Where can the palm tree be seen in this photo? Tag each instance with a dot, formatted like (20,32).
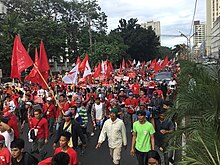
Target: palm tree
(200,109)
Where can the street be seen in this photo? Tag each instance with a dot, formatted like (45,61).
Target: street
(91,155)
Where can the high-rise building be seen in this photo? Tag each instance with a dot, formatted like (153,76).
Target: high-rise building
(2,8)
(155,26)
(199,30)
(212,13)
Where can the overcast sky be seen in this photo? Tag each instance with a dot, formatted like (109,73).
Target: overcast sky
(174,15)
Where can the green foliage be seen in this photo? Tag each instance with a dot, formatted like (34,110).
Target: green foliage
(143,44)
(200,109)
(166,51)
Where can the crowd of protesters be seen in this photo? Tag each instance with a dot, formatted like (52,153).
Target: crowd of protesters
(64,112)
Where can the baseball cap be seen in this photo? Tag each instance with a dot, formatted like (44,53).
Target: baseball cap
(6,109)
(2,139)
(141,113)
(130,94)
(29,103)
(49,99)
(114,110)
(68,113)
(37,106)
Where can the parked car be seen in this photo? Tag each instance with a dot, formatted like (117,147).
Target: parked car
(163,76)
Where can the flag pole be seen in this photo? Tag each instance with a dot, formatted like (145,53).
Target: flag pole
(49,88)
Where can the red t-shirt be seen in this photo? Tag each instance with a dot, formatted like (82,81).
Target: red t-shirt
(46,161)
(13,123)
(160,93)
(5,157)
(65,106)
(144,99)
(51,112)
(135,89)
(72,154)
(42,127)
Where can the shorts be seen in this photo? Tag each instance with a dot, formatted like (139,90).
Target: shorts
(115,154)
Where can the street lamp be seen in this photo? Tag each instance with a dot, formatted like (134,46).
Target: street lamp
(188,43)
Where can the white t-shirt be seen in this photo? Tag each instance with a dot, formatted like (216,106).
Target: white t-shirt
(9,137)
(172,84)
(98,113)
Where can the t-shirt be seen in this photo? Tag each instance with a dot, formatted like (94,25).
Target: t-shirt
(143,131)
(68,128)
(99,113)
(9,137)
(5,156)
(46,161)
(72,154)
(27,159)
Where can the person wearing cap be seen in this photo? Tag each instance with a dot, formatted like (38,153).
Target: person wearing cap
(83,114)
(5,155)
(142,106)
(98,112)
(115,130)
(70,125)
(131,104)
(9,102)
(49,111)
(142,138)
(40,124)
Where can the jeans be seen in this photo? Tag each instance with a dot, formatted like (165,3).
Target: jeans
(141,157)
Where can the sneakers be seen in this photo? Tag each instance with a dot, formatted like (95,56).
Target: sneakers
(92,134)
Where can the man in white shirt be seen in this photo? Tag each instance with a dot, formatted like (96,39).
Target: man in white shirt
(97,114)
(7,132)
(172,84)
(10,103)
(115,130)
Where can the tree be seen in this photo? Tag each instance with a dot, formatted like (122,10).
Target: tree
(166,51)
(143,44)
(200,107)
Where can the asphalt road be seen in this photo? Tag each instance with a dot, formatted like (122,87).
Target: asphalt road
(91,155)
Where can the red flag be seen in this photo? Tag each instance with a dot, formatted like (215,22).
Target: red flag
(157,67)
(123,63)
(97,71)
(43,64)
(143,66)
(110,66)
(83,63)
(120,69)
(153,62)
(20,59)
(33,76)
(165,62)
(78,61)
(109,69)
(130,63)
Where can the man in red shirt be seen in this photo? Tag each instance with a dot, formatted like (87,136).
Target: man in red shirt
(143,97)
(40,125)
(5,156)
(136,89)
(131,103)
(64,140)
(49,111)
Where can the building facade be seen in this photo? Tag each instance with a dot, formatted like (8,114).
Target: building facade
(155,26)
(215,39)
(199,30)
(212,13)
(2,8)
